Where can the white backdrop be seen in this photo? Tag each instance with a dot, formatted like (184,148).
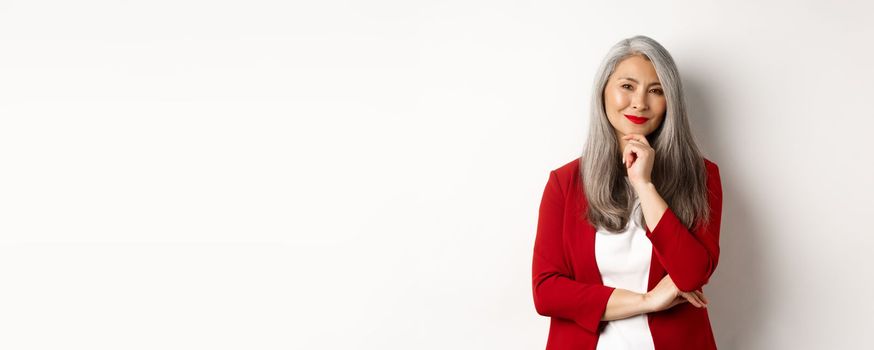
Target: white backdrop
(366,175)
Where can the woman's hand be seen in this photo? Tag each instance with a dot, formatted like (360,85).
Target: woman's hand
(696,298)
(638,158)
(665,295)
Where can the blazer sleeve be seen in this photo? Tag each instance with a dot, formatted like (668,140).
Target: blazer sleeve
(555,293)
(690,256)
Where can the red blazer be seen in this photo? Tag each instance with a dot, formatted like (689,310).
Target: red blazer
(567,284)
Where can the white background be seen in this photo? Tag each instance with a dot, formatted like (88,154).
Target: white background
(366,175)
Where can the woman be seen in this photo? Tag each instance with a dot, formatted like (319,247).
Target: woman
(624,248)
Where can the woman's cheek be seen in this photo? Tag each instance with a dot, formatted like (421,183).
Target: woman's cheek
(662,103)
(618,99)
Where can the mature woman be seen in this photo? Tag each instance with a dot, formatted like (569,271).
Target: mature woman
(623,248)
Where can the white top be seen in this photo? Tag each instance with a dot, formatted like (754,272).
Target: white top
(624,259)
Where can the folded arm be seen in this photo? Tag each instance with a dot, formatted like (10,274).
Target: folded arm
(555,293)
(689,256)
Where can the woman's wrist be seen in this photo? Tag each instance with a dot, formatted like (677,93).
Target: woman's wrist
(642,187)
(646,303)
(624,303)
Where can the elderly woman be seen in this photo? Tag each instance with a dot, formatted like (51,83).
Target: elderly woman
(628,233)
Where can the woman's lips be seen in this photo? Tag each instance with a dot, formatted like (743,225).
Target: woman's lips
(635,119)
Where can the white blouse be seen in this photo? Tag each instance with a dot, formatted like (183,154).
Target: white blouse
(623,260)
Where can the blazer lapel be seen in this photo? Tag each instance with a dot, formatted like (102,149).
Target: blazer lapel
(656,271)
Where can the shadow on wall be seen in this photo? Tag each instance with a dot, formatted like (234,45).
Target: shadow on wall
(737,289)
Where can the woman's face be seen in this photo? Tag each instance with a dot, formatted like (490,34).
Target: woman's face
(633,97)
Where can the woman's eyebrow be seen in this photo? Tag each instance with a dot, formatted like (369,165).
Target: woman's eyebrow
(634,80)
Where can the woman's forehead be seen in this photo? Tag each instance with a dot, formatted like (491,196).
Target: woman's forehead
(636,69)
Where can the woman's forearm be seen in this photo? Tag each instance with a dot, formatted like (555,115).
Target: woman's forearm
(624,303)
(652,204)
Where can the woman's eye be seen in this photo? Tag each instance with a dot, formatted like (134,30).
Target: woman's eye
(658,91)
(628,86)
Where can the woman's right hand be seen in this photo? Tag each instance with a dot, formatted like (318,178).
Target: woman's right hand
(666,295)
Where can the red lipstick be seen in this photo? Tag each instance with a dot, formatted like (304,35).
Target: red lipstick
(635,119)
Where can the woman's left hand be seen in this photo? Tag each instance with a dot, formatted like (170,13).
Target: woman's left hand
(638,158)
(695,297)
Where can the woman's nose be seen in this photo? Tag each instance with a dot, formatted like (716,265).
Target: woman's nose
(638,102)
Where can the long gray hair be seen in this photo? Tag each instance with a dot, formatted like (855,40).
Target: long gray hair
(679,172)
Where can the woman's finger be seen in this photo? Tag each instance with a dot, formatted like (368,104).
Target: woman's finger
(685,296)
(641,145)
(633,151)
(693,299)
(637,137)
(698,298)
(627,156)
(701,295)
